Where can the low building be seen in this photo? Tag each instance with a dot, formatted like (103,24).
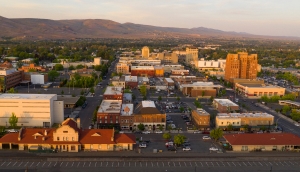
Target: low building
(113,93)
(169,68)
(143,81)
(258,90)
(225,105)
(131,82)
(69,101)
(127,98)
(246,81)
(170,83)
(108,114)
(69,137)
(147,114)
(122,68)
(200,89)
(167,58)
(159,71)
(126,117)
(9,77)
(254,121)
(32,68)
(34,110)
(35,78)
(146,71)
(118,81)
(292,104)
(180,72)
(201,119)
(263,142)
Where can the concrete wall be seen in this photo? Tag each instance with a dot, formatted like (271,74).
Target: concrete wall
(58,112)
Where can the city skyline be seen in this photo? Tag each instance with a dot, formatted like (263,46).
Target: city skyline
(274,18)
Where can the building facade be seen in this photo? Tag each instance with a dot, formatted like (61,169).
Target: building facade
(34,110)
(108,114)
(241,65)
(200,89)
(131,82)
(9,77)
(126,117)
(147,71)
(201,119)
(113,93)
(180,72)
(118,81)
(122,68)
(258,90)
(192,56)
(225,105)
(32,68)
(145,51)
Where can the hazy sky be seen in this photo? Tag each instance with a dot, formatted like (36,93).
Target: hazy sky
(263,17)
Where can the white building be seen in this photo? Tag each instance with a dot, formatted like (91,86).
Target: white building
(211,64)
(36,110)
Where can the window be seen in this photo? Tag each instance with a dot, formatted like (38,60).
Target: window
(244,148)
(72,138)
(111,121)
(63,138)
(105,117)
(233,123)
(73,148)
(65,131)
(66,138)
(57,138)
(237,122)
(221,122)
(105,121)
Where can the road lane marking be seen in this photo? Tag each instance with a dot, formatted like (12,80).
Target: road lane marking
(8,164)
(3,163)
(43,164)
(260,163)
(96,164)
(90,164)
(37,164)
(55,164)
(20,164)
(61,164)
(32,164)
(49,164)
(78,164)
(15,164)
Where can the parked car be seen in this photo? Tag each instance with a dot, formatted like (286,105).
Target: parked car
(213,149)
(138,132)
(169,144)
(146,132)
(158,132)
(297,124)
(142,145)
(186,149)
(12,131)
(197,132)
(206,138)
(171,148)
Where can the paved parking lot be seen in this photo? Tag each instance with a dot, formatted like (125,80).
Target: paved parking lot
(151,165)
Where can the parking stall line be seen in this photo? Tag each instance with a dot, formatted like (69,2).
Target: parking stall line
(270,163)
(43,164)
(152,164)
(260,163)
(296,163)
(174,164)
(26,163)
(78,164)
(291,163)
(146,164)
(254,163)
(206,164)
(286,163)
(212,164)
(266,163)
(196,164)
(233,164)
(217,163)
(106,164)
(72,164)
(191,164)
(3,163)
(83,164)
(90,164)
(101,163)
(169,164)
(228,164)
(184,163)
(135,164)
(67,164)
(124,164)
(118,164)
(163,164)
(245,163)
(201,164)
(96,164)
(223,163)
(38,164)
(61,164)
(112,164)
(15,164)
(32,164)
(275,163)
(20,164)
(141,164)
(55,164)
(239,164)
(129,164)
(8,164)
(281,163)
(179,164)
(49,164)
(249,163)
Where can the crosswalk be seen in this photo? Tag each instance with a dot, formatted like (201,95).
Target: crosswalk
(97,164)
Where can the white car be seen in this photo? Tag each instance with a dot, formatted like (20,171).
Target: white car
(213,149)
(206,138)
(169,144)
(158,132)
(186,149)
(12,131)
(297,124)
(146,132)
(143,145)
(197,132)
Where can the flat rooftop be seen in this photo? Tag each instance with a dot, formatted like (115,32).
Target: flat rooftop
(148,103)
(243,115)
(131,78)
(169,80)
(290,102)
(111,90)
(202,84)
(225,102)
(68,100)
(202,112)
(259,85)
(26,96)
(110,106)
(127,109)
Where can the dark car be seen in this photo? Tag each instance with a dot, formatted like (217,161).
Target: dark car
(138,132)
(172,148)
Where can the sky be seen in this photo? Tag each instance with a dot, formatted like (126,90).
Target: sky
(260,17)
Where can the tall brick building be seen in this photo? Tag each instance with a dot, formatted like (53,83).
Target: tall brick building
(241,65)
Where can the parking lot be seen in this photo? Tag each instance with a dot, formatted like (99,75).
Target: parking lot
(151,165)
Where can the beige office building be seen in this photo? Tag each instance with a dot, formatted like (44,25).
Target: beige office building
(145,52)
(122,68)
(258,90)
(192,56)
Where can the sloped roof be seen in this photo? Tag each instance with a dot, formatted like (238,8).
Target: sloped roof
(125,138)
(263,139)
(144,108)
(70,122)
(103,136)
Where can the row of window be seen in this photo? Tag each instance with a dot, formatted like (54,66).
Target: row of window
(65,139)
(250,122)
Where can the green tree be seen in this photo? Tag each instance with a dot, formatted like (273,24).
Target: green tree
(133,97)
(159,98)
(52,75)
(13,120)
(216,134)
(285,109)
(58,67)
(295,115)
(179,139)
(80,66)
(62,92)
(71,67)
(160,127)
(12,90)
(141,127)
(178,99)
(181,109)
(167,136)
(82,92)
(143,90)
(94,119)
(203,93)
(92,90)
(144,97)
(229,127)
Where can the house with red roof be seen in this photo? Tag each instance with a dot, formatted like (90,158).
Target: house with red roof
(263,142)
(68,137)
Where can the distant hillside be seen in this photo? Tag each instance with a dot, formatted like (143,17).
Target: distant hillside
(33,29)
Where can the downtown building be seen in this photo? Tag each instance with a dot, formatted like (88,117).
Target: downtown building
(241,65)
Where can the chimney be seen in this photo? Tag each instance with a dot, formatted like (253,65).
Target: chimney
(45,132)
(78,122)
(113,135)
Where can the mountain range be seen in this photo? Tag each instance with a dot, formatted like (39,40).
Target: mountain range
(45,29)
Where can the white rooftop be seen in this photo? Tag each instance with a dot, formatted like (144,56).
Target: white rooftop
(130,78)
(169,80)
(112,90)
(127,109)
(201,84)
(241,115)
(225,102)
(6,96)
(110,106)
(148,103)
(202,112)
(142,67)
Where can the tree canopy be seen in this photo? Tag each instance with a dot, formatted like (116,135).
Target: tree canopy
(216,134)
(13,120)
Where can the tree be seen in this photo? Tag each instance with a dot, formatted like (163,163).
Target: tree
(58,67)
(80,66)
(143,90)
(12,90)
(181,109)
(92,90)
(94,119)
(285,109)
(13,120)
(159,98)
(295,115)
(62,92)
(216,134)
(203,93)
(141,127)
(71,67)
(179,139)
(229,127)
(133,97)
(167,136)
(82,92)
(178,99)
(160,127)
(52,75)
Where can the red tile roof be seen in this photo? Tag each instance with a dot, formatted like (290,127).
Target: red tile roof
(125,138)
(70,122)
(263,139)
(96,136)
